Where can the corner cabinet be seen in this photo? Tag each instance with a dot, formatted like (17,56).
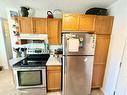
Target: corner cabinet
(78,22)
(53,78)
(103,30)
(54,31)
(100,59)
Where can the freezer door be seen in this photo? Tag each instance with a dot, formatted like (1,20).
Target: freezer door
(77,75)
(86,43)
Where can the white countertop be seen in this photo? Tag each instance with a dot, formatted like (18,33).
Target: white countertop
(15,60)
(53,61)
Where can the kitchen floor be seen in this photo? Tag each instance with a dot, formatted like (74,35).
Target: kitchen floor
(7,86)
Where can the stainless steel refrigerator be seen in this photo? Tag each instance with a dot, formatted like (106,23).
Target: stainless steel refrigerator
(78,56)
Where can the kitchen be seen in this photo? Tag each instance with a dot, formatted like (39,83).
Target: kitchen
(109,84)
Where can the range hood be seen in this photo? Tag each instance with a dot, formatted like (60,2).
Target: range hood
(34,37)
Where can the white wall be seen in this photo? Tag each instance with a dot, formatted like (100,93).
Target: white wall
(121,88)
(7,39)
(66,5)
(3,54)
(3,51)
(2,13)
(118,36)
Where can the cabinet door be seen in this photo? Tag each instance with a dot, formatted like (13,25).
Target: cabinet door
(25,25)
(98,75)
(54,78)
(101,50)
(87,23)
(39,25)
(70,22)
(104,24)
(54,31)
(100,58)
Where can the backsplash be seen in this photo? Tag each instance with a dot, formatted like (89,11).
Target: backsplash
(53,47)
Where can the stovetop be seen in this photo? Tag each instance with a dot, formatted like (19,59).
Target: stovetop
(33,61)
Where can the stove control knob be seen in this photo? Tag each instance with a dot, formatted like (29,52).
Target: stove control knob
(38,51)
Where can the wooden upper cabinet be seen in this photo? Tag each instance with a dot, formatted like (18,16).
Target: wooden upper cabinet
(104,24)
(52,27)
(70,22)
(25,25)
(87,23)
(39,25)
(54,31)
(101,50)
(78,22)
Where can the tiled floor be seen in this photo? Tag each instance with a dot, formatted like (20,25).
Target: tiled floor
(7,86)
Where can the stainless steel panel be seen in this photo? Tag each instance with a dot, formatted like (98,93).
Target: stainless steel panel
(88,43)
(77,75)
(16,70)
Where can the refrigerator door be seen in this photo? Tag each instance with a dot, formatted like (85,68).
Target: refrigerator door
(86,43)
(77,75)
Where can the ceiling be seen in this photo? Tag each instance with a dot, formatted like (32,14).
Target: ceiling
(65,5)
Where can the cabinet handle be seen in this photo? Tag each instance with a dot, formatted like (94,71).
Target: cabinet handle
(34,31)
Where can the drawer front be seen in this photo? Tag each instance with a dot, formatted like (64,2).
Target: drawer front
(53,67)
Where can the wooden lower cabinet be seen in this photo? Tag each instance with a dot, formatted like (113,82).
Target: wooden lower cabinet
(53,78)
(98,75)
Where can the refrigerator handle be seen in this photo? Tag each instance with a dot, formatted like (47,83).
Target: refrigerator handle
(64,65)
(64,43)
(86,59)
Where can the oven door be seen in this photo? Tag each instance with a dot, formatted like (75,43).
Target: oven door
(29,78)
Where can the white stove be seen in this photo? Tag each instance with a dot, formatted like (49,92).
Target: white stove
(37,51)
(31,71)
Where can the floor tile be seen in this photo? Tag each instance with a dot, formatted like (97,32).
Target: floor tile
(7,87)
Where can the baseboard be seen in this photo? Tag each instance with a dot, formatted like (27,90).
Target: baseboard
(104,93)
(1,67)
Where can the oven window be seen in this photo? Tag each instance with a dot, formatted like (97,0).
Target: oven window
(30,78)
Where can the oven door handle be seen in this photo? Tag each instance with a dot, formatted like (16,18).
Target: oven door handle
(29,69)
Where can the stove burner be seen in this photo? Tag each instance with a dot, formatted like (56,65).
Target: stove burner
(33,61)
